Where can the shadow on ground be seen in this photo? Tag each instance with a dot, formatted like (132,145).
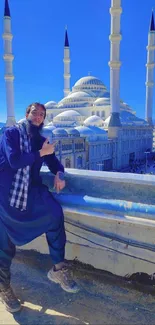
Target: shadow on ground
(100,301)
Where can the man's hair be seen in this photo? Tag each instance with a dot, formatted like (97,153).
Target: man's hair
(28,109)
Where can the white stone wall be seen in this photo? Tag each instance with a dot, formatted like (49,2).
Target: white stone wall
(119,240)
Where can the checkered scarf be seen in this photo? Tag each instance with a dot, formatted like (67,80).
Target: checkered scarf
(20,184)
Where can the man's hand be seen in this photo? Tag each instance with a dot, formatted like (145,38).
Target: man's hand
(47,148)
(59,182)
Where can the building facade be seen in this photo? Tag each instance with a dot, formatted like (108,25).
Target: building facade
(94,127)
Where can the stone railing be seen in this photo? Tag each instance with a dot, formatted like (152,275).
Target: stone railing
(109,220)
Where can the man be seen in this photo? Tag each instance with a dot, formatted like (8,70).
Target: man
(27,208)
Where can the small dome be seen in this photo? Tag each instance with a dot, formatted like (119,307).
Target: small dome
(47,133)
(50,105)
(69,114)
(105,101)
(50,127)
(59,132)
(87,133)
(84,130)
(73,132)
(93,120)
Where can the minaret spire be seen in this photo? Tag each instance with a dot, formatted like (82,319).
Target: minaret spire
(66,38)
(6,9)
(152,25)
(66,61)
(8,59)
(150,71)
(115,64)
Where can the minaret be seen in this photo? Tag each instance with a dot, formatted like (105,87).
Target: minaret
(115,38)
(8,59)
(66,65)
(150,71)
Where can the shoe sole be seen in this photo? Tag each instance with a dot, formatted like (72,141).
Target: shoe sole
(64,288)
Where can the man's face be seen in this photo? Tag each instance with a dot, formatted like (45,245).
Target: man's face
(36,115)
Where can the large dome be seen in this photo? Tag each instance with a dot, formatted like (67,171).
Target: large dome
(69,118)
(89,80)
(76,99)
(70,115)
(91,85)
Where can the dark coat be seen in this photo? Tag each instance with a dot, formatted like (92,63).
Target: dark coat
(23,226)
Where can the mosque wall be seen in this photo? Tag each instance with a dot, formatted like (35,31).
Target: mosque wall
(71,152)
(133,143)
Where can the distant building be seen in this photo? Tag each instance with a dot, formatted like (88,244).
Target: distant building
(95,129)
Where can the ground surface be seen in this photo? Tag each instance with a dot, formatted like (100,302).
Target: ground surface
(100,300)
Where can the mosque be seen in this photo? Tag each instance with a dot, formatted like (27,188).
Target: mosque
(95,129)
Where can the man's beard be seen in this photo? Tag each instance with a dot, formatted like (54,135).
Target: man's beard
(33,130)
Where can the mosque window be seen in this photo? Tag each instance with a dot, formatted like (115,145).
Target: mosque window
(93,113)
(67,163)
(78,146)
(66,147)
(103,114)
(98,113)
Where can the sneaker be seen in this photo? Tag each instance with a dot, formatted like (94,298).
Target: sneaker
(10,301)
(64,278)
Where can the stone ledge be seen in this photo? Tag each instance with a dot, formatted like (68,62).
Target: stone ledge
(109,220)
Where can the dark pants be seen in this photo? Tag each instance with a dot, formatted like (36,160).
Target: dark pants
(56,240)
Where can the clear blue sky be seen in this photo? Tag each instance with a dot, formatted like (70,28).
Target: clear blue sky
(38,28)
